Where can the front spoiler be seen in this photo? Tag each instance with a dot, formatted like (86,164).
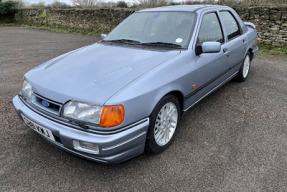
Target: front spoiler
(113,148)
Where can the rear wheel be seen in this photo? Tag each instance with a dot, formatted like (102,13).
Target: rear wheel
(245,68)
(163,124)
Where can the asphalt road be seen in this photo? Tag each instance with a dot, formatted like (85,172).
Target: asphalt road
(234,140)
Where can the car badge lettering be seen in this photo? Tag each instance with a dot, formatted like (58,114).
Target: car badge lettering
(45,103)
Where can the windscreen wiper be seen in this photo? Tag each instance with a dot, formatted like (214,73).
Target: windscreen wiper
(129,41)
(162,44)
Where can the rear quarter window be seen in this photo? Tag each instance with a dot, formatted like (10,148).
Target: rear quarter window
(231,25)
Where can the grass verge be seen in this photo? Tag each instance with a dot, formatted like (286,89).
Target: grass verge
(271,50)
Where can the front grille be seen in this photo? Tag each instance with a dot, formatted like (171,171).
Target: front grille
(54,107)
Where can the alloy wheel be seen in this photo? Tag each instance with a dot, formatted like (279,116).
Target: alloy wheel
(165,124)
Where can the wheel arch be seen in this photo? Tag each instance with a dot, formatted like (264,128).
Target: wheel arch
(251,54)
(180,97)
(178,94)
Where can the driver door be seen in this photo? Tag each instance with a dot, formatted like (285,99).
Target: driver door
(210,66)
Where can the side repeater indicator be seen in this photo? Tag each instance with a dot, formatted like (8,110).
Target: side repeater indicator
(193,86)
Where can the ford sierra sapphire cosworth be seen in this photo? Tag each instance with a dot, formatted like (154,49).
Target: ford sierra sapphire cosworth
(111,100)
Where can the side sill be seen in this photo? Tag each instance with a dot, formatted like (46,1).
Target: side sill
(225,81)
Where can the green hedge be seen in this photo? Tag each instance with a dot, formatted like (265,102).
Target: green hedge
(8,8)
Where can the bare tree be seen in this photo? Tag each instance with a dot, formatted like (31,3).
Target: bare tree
(86,3)
(20,3)
(58,4)
(40,5)
(109,4)
(151,3)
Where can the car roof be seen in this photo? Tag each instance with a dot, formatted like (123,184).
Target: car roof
(189,8)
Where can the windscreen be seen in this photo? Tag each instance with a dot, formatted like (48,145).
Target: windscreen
(151,27)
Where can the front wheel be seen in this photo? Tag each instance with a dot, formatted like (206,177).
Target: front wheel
(163,123)
(245,68)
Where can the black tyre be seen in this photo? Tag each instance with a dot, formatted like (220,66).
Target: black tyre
(244,69)
(164,121)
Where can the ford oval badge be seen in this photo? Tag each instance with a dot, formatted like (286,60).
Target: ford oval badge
(45,103)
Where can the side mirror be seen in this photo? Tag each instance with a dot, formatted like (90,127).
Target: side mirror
(211,47)
(103,36)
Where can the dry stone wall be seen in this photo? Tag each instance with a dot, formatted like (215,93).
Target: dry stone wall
(271,22)
(87,19)
(29,16)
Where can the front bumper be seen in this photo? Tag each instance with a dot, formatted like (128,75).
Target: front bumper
(113,148)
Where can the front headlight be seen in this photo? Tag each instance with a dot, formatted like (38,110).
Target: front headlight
(83,112)
(107,116)
(26,90)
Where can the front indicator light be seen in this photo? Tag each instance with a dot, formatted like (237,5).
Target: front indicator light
(112,116)
(21,82)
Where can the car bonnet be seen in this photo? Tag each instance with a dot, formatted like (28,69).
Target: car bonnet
(94,73)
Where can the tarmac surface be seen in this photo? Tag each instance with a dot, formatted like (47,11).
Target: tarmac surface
(234,140)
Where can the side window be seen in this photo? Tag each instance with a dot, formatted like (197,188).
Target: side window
(231,25)
(210,29)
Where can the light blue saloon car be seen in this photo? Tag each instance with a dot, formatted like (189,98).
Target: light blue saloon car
(111,100)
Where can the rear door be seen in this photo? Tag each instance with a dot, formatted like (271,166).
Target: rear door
(236,44)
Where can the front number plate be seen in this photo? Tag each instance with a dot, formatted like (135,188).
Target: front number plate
(43,131)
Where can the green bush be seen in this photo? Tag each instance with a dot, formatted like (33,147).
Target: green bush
(122,4)
(8,7)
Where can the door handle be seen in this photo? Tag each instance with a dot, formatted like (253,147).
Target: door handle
(225,50)
(244,40)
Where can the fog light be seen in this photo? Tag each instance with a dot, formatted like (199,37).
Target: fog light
(86,146)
